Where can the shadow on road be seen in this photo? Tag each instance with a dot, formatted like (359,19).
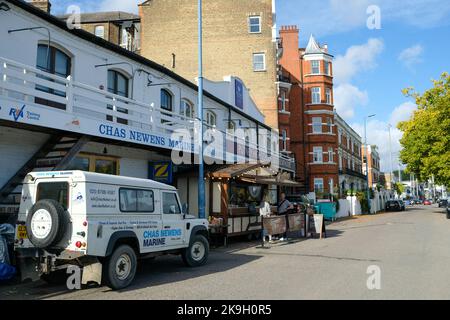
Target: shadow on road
(150,273)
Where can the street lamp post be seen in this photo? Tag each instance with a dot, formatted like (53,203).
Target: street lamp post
(390,158)
(201,173)
(367,159)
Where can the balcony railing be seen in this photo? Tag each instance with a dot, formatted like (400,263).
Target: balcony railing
(352,173)
(88,110)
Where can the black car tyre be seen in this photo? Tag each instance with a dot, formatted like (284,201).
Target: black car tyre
(119,269)
(197,253)
(46,223)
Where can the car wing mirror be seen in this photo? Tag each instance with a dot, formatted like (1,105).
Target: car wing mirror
(185,210)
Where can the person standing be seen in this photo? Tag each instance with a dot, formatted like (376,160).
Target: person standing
(283,209)
(265,210)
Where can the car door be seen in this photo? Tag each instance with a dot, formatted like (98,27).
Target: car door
(173,230)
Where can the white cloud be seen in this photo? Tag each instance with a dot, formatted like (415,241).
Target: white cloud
(347,98)
(325,17)
(402,113)
(411,56)
(378,134)
(357,59)
(120,5)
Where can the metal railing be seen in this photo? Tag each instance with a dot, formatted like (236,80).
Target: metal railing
(25,84)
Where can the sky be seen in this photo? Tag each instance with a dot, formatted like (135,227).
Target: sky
(379,46)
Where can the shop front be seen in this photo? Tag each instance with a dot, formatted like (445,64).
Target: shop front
(240,190)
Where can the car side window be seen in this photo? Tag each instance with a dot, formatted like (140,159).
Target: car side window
(133,200)
(170,203)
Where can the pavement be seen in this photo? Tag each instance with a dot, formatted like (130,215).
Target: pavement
(411,251)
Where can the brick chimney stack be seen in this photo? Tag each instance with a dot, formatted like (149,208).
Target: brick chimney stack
(290,60)
(44,5)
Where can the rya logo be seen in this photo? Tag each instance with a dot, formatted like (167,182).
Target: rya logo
(17,113)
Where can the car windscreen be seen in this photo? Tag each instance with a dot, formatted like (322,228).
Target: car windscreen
(58,191)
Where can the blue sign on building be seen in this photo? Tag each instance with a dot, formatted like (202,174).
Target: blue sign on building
(161,172)
(239,94)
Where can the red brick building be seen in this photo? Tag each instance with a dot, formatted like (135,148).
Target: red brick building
(309,125)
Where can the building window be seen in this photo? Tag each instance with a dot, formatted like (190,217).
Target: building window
(317,124)
(254,24)
(259,62)
(95,163)
(100,31)
(318,155)
(54,61)
(284,139)
(330,155)
(124,38)
(166,100)
(211,119)
(187,109)
(328,95)
(330,125)
(327,68)
(315,67)
(283,100)
(118,85)
(318,184)
(316,99)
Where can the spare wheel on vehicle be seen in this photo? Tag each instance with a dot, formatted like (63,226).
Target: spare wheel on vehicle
(46,223)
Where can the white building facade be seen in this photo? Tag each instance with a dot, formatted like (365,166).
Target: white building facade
(70,100)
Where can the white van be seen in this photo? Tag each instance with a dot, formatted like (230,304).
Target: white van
(103,223)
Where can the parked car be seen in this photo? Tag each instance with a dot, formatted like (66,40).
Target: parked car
(416,201)
(103,224)
(443,203)
(395,205)
(427,202)
(448,211)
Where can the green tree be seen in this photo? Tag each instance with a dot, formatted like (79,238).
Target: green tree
(426,136)
(399,188)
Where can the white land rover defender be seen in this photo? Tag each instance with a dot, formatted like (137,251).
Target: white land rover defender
(103,224)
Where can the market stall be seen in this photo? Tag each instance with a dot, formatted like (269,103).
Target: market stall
(242,189)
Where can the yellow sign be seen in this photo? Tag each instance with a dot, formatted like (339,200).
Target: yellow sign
(162,171)
(22,232)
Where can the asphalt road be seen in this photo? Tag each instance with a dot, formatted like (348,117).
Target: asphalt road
(411,249)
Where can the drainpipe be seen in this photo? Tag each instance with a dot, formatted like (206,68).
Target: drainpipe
(305,158)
